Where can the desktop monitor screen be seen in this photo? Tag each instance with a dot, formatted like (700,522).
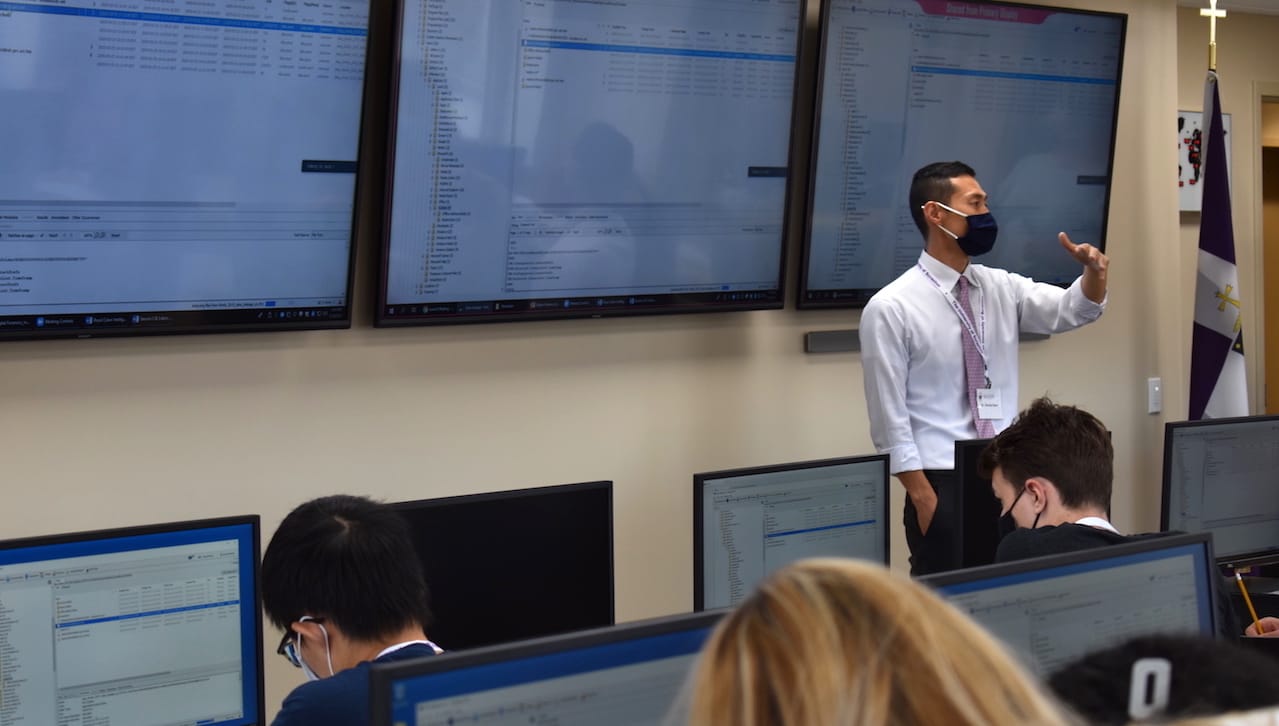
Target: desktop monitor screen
(145,626)
(750,522)
(1028,95)
(518,564)
(1220,477)
(1051,610)
(629,675)
(586,159)
(178,167)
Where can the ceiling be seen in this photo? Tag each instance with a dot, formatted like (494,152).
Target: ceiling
(1263,7)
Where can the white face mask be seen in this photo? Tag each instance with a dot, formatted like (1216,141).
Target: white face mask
(310,674)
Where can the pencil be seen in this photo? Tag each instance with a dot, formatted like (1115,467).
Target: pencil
(1256,623)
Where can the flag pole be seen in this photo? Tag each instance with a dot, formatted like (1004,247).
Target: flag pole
(1212,13)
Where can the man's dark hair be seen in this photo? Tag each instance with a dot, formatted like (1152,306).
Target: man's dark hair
(1209,678)
(347,559)
(1063,444)
(932,184)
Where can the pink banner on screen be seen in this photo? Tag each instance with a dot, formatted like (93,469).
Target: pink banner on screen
(984,11)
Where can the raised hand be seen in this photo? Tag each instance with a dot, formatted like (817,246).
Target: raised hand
(1095,263)
(1085,254)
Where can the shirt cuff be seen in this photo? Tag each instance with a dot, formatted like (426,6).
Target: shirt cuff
(1083,307)
(903,458)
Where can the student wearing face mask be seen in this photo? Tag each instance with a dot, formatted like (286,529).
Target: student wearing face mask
(939,346)
(1052,471)
(340,577)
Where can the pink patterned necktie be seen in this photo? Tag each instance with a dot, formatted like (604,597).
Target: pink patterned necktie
(974,368)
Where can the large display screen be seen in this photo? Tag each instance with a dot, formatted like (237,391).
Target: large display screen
(1027,95)
(178,166)
(565,158)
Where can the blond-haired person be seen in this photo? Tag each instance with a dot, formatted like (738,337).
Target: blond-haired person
(831,642)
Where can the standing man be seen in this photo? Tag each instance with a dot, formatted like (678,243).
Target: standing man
(939,347)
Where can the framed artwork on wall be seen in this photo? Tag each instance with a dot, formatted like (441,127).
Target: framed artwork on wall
(1190,141)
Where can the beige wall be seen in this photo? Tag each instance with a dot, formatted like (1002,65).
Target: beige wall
(1247,55)
(118,432)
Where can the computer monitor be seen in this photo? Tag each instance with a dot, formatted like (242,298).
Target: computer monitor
(141,626)
(178,167)
(750,522)
(1028,95)
(511,565)
(1051,610)
(586,159)
(629,675)
(1220,477)
(978,532)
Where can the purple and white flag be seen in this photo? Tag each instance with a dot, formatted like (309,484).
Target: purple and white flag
(1218,381)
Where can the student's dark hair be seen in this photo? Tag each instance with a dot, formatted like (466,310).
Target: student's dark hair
(1064,444)
(347,559)
(932,184)
(1209,678)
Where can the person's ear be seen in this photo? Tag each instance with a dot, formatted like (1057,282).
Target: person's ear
(933,213)
(308,629)
(1039,489)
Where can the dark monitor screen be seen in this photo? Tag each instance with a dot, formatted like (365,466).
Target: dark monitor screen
(978,530)
(750,522)
(178,167)
(517,564)
(586,159)
(1222,476)
(1051,610)
(1028,95)
(629,675)
(145,625)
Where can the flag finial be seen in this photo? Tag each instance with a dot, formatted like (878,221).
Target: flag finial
(1212,13)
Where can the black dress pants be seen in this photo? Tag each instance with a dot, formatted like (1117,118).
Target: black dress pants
(938,549)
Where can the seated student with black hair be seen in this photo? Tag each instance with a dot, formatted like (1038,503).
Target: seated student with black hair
(341,578)
(1206,678)
(1052,470)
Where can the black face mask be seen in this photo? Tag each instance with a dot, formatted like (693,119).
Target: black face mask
(1006,522)
(982,231)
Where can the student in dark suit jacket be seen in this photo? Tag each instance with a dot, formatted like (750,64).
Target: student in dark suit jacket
(342,580)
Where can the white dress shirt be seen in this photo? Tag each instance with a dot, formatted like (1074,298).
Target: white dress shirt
(913,358)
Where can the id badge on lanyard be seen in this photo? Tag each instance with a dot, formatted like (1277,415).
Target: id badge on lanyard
(989,406)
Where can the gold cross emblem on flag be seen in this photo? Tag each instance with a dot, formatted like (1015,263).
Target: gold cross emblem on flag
(1225,299)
